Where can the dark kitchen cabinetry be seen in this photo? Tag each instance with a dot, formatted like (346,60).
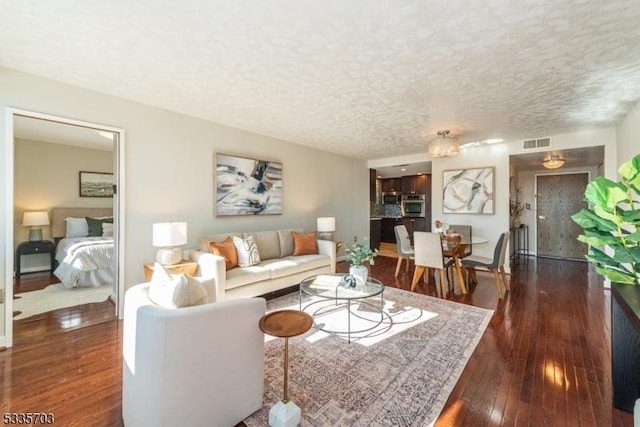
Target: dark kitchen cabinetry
(414,184)
(375,229)
(387,234)
(372,186)
(391,184)
(414,224)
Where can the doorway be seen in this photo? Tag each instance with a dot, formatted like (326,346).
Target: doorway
(558,198)
(50,122)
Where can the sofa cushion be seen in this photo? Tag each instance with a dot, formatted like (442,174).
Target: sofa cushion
(227,250)
(286,241)
(245,276)
(174,291)
(267,242)
(247,250)
(203,241)
(304,244)
(282,267)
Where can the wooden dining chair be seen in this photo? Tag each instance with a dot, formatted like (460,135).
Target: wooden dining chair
(428,254)
(495,264)
(403,243)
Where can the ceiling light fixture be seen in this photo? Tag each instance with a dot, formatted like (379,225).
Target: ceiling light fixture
(554,162)
(444,145)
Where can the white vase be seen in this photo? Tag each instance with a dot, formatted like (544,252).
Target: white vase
(360,273)
(517,222)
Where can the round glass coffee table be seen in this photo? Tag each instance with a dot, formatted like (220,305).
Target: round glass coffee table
(331,296)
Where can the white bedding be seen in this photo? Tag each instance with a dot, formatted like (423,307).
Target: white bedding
(85,261)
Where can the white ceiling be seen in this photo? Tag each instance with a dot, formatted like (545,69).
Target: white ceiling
(368,79)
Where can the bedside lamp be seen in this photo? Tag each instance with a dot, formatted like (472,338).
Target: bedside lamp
(35,220)
(326,226)
(168,235)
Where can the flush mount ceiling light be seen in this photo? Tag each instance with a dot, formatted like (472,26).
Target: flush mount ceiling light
(444,145)
(554,162)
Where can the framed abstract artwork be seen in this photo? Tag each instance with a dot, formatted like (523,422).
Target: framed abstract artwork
(96,184)
(246,186)
(468,191)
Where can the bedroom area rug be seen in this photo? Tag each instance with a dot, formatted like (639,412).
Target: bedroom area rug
(399,373)
(57,296)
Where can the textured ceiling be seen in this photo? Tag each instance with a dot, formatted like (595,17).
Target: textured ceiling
(367,79)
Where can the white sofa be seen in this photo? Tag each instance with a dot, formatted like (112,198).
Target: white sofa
(191,366)
(278,268)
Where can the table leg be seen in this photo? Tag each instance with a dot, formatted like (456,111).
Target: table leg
(286,371)
(456,262)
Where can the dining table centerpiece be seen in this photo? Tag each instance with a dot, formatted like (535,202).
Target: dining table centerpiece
(358,254)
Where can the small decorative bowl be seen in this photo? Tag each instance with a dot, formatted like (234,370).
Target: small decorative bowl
(453,238)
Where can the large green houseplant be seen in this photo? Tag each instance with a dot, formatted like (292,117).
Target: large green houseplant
(613,220)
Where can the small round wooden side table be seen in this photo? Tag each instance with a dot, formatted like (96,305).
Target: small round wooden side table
(285,324)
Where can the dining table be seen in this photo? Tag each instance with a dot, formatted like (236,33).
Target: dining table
(456,250)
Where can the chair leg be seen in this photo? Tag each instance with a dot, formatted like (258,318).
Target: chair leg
(444,293)
(504,278)
(416,276)
(398,265)
(497,279)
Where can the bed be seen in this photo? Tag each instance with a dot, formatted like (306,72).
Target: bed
(82,261)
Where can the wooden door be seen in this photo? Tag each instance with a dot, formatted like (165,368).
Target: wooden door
(559,197)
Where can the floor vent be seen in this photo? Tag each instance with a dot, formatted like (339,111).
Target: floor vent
(536,143)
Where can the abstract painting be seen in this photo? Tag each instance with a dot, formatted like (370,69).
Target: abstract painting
(247,186)
(96,184)
(468,191)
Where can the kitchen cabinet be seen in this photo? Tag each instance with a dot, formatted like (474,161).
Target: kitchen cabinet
(414,184)
(372,186)
(387,233)
(391,184)
(375,229)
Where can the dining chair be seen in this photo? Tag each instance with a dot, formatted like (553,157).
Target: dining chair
(428,254)
(495,264)
(403,243)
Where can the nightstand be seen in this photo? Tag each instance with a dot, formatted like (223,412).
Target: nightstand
(185,266)
(33,248)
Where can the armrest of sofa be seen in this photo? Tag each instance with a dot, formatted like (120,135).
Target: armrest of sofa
(212,269)
(328,247)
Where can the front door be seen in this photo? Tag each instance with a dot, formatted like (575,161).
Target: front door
(558,198)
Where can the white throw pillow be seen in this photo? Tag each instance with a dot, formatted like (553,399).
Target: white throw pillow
(175,290)
(107,229)
(247,250)
(77,227)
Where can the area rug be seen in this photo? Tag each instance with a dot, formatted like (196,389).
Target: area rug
(57,296)
(400,373)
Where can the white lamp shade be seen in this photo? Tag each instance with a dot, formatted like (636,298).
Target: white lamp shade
(35,219)
(326,224)
(168,234)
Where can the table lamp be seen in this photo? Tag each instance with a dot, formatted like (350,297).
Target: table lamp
(35,220)
(326,226)
(167,236)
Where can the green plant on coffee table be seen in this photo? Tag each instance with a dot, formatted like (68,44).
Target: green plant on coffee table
(360,253)
(613,220)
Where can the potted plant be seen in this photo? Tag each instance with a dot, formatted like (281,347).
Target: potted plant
(612,230)
(516,208)
(357,255)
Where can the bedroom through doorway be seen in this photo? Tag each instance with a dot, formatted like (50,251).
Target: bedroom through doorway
(67,275)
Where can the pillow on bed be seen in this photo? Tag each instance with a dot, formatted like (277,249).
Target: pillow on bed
(107,229)
(95,225)
(76,227)
(175,290)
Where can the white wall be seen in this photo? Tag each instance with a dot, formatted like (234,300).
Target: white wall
(629,135)
(46,176)
(169,169)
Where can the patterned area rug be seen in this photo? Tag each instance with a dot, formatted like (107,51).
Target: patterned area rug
(399,373)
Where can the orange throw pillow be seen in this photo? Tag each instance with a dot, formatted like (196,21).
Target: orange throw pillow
(304,244)
(227,250)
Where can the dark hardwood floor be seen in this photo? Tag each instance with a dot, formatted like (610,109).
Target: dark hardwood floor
(544,359)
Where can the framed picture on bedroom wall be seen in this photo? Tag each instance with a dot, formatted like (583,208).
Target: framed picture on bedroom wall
(96,184)
(468,191)
(246,186)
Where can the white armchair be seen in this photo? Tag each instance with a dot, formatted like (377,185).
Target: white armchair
(192,366)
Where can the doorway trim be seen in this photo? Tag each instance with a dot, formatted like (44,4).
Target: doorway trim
(119,208)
